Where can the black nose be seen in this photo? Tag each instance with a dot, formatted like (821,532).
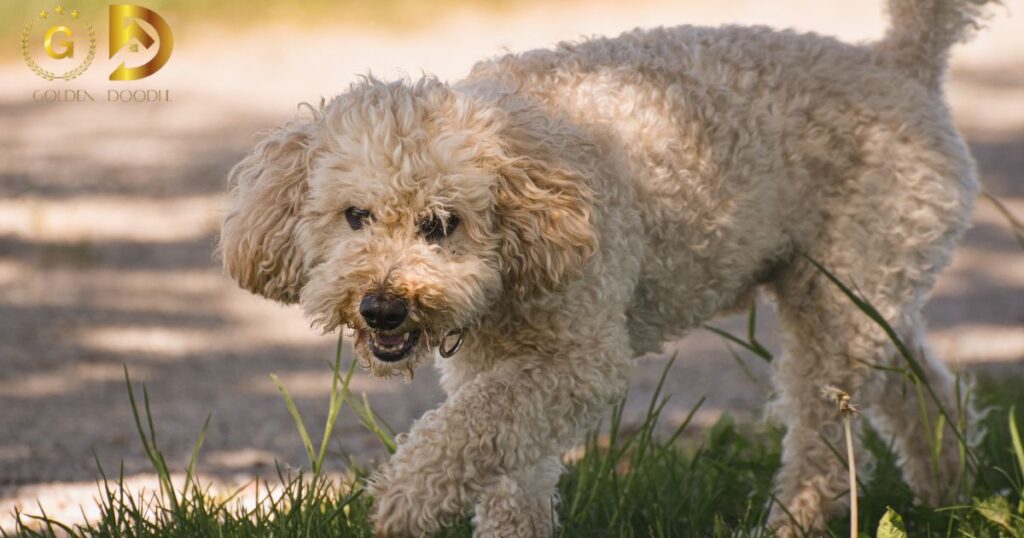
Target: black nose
(382,311)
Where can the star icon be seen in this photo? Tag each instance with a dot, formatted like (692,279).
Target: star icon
(74,13)
(43,14)
(59,9)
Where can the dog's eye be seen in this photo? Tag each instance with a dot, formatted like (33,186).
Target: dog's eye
(434,229)
(356,217)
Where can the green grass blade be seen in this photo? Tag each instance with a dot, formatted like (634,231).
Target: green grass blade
(135,413)
(338,397)
(190,471)
(1018,448)
(369,420)
(752,334)
(645,434)
(163,471)
(754,348)
(686,422)
(1016,226)
(754,380)
(297,418)
(50,522)
(661,385)
(868,309)
(150,447)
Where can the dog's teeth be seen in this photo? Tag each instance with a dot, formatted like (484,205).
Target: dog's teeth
(392,343)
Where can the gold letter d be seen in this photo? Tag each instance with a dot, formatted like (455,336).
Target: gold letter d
(123,28)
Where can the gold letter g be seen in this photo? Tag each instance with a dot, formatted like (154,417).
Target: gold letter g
(69,45)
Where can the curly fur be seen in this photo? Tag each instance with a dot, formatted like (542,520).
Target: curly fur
(613,194)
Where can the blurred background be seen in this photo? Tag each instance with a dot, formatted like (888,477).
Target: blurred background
(109,212)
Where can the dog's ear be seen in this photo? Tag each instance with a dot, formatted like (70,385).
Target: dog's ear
(258,235)
(543,211)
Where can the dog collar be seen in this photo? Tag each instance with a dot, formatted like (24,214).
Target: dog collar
(448,351)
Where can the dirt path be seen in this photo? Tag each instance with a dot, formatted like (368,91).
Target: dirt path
(108,213)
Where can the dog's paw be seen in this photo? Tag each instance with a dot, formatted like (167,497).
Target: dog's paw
(398,511)
(392,518)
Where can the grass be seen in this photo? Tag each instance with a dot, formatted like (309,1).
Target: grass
(625,482)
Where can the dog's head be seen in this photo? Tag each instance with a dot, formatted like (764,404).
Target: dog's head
(407,211)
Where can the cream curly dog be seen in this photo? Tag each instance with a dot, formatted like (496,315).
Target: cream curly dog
(559,212)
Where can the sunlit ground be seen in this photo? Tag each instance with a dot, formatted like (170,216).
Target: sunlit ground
(108,213)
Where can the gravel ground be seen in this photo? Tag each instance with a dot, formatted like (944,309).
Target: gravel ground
(108,213)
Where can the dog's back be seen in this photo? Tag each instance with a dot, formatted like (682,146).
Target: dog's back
(739,139)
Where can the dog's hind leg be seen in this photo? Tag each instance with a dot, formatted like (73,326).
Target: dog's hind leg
(827,340)
(911,417)
(831,342)
(886,232)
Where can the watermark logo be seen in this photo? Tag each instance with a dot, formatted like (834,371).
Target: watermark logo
(124,27)
(58,42)
(126,33)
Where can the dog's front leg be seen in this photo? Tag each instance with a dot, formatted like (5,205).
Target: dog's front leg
(494,444)
(521,505)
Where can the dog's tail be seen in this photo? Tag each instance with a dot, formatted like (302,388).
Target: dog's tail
(921,32)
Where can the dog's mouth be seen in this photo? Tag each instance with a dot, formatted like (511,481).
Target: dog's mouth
(393,347)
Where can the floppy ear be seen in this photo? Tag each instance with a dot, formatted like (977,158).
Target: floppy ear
(544,214)
(258,235)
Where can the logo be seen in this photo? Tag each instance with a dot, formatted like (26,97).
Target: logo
(126,34)
(60,36)
(124,27)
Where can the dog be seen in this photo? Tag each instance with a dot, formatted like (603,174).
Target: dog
(537,225)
